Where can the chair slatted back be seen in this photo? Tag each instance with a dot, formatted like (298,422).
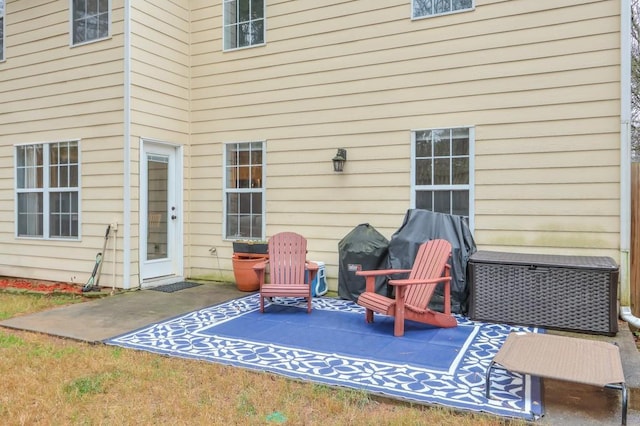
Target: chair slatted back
(287,256)
(430,262)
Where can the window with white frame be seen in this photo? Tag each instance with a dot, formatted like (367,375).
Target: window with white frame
(1,30)
(89,20)
(47,190)
(244,190)
(243,23)
(442,170)
(424,8)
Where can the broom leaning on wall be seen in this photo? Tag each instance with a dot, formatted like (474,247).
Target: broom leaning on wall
(94,279)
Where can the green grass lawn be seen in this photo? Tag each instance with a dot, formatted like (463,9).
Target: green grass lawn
(47,380)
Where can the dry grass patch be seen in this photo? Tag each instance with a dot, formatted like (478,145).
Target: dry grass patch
(14,304)
(48,380)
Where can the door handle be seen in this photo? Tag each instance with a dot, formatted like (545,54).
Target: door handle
(174,217)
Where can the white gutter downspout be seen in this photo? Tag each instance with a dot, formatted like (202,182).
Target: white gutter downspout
(625,163)
(126,234)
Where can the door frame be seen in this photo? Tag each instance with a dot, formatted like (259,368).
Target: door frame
(176,248)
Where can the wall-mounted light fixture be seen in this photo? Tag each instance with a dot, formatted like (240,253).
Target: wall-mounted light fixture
(339,160)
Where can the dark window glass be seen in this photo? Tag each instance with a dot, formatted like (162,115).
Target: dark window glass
(244,186)
(442,202)
(243,23)
(441,168)
(61,217)
(424,200)
(460,203)
(424,172)
(90,20)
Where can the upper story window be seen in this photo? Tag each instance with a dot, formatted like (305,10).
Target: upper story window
(424,8)
(90,20)
(244,190)
(1,30)
(442,170)
(243,23)
(47,190)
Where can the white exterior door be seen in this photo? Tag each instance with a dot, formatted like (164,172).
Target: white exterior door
(160,212)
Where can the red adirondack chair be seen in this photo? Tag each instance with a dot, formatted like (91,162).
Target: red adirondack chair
(287,265)
(430,268)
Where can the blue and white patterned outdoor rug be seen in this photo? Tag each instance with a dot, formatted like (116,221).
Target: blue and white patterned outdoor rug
(335,346)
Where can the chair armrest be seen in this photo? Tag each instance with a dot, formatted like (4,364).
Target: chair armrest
(260,266)
(370,276)
(418,282)
(312,267)
(379,272)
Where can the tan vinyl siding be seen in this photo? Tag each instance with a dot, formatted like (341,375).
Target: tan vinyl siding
(52,92)
(159,94)
(160,70)
(539,82)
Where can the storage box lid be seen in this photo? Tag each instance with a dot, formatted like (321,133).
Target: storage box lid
(549,260)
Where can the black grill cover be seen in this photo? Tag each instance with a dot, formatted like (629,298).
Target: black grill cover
(420,226)
(363,248)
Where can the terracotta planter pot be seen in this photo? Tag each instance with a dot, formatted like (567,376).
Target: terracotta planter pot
(246,277)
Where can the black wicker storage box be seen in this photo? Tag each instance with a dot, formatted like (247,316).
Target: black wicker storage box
(576,293)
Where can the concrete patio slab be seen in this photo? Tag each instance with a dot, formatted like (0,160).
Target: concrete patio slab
(102,318)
